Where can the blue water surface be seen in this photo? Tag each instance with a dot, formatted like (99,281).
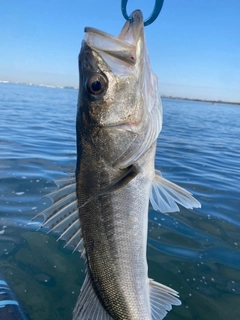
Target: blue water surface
(196,252)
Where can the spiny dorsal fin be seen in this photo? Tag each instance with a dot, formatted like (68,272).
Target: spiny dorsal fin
(62,216)
(165,195)
(161,299)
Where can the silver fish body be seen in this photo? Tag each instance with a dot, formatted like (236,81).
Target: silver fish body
(114,222)
(114,231)
(119,118)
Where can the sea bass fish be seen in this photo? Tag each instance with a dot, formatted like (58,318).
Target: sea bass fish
(119,118)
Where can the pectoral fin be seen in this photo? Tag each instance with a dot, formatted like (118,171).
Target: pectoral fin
(128,176)
(165,195)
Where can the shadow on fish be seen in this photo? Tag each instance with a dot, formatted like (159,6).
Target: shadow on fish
(102,210)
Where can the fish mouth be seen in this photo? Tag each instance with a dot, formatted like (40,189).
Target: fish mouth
(123,46)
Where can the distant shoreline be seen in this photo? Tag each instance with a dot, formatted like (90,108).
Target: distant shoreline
(213,102)
(39,85)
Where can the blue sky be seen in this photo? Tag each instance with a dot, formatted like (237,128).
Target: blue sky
(194,46)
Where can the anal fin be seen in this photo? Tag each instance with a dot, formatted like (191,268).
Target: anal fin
(161,299)
(88,306)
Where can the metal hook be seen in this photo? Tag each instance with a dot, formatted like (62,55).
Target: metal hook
(157,8)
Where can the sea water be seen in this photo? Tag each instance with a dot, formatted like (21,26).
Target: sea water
(196,252)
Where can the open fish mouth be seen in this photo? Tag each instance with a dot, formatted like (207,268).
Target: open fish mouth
(99,40)
(123,46)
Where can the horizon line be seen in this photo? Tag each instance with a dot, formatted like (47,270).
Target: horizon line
(162,96)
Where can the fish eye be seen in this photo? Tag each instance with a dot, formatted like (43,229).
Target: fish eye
(96,84)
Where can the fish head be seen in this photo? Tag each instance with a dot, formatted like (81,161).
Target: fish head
(117,92)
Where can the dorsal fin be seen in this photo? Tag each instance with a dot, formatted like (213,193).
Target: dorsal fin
(62,216)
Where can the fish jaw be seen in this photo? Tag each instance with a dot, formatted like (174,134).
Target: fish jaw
(124,47)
